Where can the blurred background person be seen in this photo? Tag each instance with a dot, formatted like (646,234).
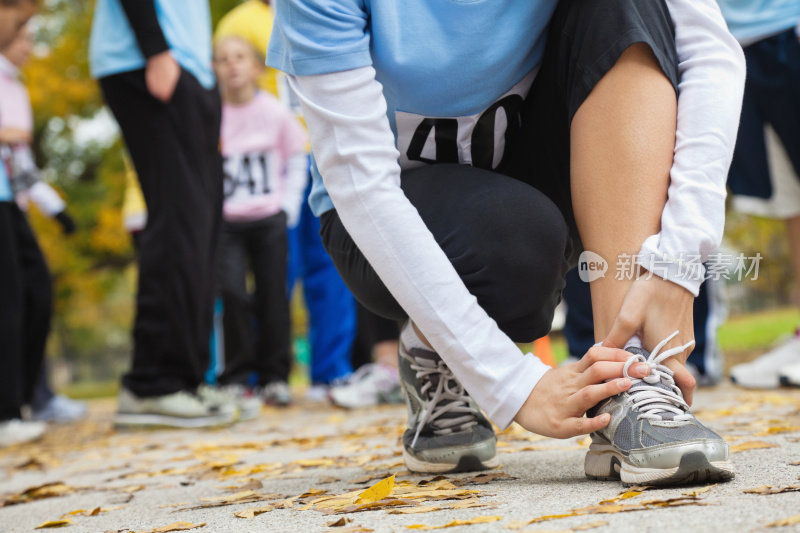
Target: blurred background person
(768,33)
(331,307)
(265,165)
(23,306)
(153,62)
(16,116)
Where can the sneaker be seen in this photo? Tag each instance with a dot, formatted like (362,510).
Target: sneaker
(764,372)
(177,410)
(60,409)
(653,439)
(277,393)
(370,385)
(240,397)
(446,430)
(790,376)
(16,431)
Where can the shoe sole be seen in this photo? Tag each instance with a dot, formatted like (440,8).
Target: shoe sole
(466,463)
(785,382)
(603,462)
(165,421)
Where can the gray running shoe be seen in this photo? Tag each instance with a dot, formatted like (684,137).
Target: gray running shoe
(653,439)
(446,430)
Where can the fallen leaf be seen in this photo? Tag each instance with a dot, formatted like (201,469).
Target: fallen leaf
(768,489)
(340,523)
(751,445)
(481,479)
(417,510)
(456,523)
(83,512)
(590,525)
(796,463)
(378,491)
(132,488)
(177,526)
(55,523)
(697,492)
(252,512)
(778,429)
(790,521)
(625,495)
(327,479)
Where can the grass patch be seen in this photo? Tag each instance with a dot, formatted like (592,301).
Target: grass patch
(757,331)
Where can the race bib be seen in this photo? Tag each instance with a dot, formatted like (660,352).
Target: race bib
(479,140)
(249,175)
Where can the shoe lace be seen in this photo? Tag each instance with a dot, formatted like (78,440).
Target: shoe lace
(653,401)
(445,402)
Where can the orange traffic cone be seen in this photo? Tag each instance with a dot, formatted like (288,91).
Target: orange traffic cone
(544,351)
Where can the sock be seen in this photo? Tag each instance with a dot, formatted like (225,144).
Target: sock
(410,339)
(633,342)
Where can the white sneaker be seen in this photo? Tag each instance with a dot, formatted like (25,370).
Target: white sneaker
(16,431)
(61,409)
(790,375)
(178,410)
(238,396)
(277,393)
(370,385)
(764,372)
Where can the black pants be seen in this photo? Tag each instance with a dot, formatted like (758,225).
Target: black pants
(175,149)
(512,239)
(26,305)
(257,326)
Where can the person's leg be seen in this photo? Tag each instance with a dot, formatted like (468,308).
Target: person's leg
(174,148)
(12,309)
(267,248)
(237,316)
(331,307)
(622,139)
(38,306)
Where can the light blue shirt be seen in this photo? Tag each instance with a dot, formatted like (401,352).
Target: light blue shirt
(753,20)
(5,186)
(441,58)
(186,25)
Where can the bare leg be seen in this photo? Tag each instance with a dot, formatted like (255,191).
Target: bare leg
(622,141)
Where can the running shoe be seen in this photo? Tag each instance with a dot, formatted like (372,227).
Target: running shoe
(790,376)
(653,439)
(181,409)
(18,431)
(370,385)
(446,431)
(765,372)
(240,397)
(60,409)
(277,393)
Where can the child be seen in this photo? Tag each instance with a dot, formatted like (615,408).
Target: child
(265,164)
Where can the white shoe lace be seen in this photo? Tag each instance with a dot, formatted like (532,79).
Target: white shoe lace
(448,389)
(650,400)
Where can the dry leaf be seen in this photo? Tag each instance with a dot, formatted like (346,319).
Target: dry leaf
(55,523)
(481,479)
(751,445)
(83,512)
(456,523)
(768,489)
(778,429)
(177,526)
(790,521)
(340,523)
(252,512)
(378,491)
(697,492)
(417,510)
(590,525)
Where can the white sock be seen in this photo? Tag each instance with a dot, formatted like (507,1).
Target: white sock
(410,339)
(634,342)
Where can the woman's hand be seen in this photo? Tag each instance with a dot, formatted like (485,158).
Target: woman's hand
(161,76)
(556,405)
(653,309)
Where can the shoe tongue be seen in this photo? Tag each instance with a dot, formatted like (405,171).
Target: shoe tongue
(666,415)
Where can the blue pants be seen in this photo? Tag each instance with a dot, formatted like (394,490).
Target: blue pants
(331,307)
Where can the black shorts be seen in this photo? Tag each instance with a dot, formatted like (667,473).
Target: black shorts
(510,233)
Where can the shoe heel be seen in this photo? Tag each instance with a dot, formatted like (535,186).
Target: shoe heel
(601,463)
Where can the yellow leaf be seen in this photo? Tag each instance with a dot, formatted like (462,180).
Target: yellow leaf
(252,512)
(417,510)
(791,521)
(751,445)
(768,489)
(378,491)
(55,523)
(177,526)
(456,523)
